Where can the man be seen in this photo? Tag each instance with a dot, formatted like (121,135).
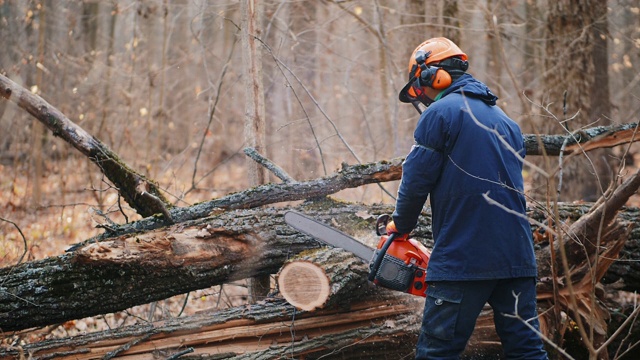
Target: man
(468,157)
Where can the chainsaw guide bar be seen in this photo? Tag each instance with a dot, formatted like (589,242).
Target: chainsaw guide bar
(328,235)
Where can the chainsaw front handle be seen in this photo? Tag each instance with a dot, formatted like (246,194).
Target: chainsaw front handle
(381,253)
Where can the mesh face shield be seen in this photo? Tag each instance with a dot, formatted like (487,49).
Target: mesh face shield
(413,91)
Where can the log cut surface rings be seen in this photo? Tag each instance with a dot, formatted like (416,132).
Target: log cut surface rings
(322,278)
(304,285)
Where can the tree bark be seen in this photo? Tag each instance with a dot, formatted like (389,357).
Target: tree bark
(125,179)
(117,273)
(128,270)
(254,122)
(351,176)
(577,89)
(585,140)
(383,324)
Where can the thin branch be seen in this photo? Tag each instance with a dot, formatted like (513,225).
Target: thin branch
(179,354)
(127,346)
(313,99)
(214,104)
(280,65)
(515,315)
(489,200)
(505,62)
(269,165)
(23,238)
(628,322)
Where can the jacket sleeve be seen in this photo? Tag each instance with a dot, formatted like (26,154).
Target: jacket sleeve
(419,174)
(420,171)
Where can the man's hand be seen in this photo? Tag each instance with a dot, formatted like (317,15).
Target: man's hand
(391,229)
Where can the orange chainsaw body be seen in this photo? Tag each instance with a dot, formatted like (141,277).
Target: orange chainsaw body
(404,266)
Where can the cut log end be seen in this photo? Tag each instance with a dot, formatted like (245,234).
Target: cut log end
(304,285)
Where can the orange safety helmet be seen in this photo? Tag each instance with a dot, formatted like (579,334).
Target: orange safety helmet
(430,65)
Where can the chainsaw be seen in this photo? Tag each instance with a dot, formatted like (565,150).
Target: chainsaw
(395,264)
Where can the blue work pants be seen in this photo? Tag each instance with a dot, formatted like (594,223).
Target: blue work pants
(452,308)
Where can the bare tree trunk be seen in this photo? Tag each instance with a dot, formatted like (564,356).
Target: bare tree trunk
(448,20)
(38,131)
(494,64)
(303,160)
(108,59)
(128,270)
(577,85)
(254,129)
(532,62)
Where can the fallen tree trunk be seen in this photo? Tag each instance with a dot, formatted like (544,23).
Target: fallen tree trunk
(129,270)
(229,341)
(584,140)
(352,176)
(381,325)
(575,261)
(366,324)
(349,177)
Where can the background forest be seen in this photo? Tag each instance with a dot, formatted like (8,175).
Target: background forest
(164,84)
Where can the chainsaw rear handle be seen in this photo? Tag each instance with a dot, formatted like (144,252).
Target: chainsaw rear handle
(383,250)
(381,224)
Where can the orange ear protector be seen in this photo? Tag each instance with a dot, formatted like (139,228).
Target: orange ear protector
(449,61)
(432,76)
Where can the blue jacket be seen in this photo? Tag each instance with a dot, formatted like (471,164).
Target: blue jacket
(458,159)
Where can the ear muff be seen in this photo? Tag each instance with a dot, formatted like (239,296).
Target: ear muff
(435,77)
(432,76)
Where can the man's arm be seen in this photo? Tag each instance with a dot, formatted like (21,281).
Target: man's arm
(420,171)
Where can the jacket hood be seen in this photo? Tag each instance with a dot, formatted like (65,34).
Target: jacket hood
(469,86)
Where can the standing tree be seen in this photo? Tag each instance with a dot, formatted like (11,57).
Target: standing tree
(254,129)
(576,79)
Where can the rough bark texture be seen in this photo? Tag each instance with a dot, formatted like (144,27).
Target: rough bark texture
(586,140)
(576,92)
(351,176)
(381,326)
(122,176)
(129,270)
(182,257)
